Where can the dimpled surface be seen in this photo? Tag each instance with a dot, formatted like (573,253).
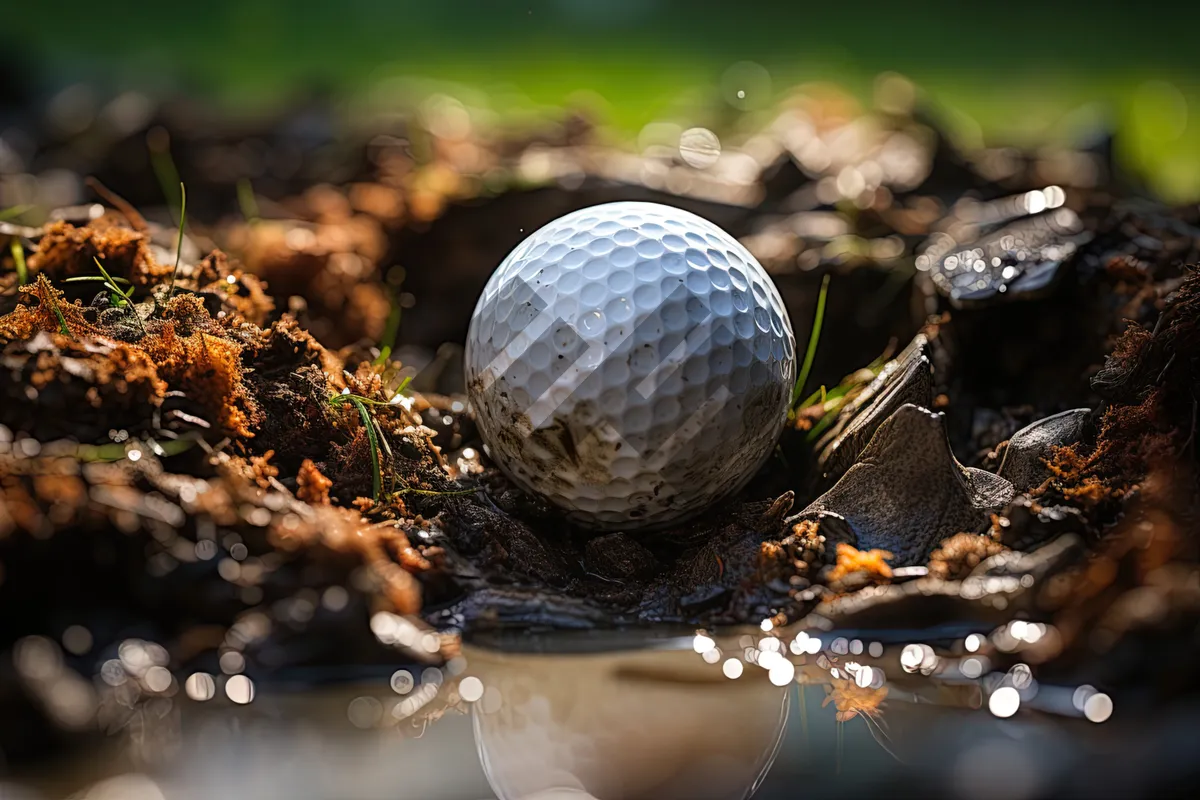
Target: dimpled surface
(631,363)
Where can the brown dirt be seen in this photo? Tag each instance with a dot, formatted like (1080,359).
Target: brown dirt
(226,391)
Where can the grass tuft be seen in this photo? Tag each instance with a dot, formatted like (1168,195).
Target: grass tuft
(403,385)
(374,437)
(834,400)
(120,298)
(361,403)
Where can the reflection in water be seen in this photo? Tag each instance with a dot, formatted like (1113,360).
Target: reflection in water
(624,725)
(701,716)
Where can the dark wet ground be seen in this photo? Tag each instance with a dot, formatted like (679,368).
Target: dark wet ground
(186,510)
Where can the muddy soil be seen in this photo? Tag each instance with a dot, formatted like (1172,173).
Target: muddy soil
(256,446)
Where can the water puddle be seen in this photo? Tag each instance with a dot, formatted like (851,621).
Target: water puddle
(679,714)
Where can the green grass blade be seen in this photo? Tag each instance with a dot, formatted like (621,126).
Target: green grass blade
(376,474)
(118,452)
(814,336)
(111,283)
(158,142)
(382,358)
(62,321)
(821,426)
(12,212)
(18,254)
(247,201)
(392,327)
(338,399)
(179,239)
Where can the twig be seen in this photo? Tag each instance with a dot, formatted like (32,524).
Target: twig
(120,203)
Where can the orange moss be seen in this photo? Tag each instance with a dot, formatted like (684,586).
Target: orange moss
(65,251)
(1089,492)
(806,529)
(1066,463)
(245,295)
(770,557)
(384,548)
(1131,343)
(311,486)
(256,468)
(25,321)
(851,700)
(872,564)
(209,370)
(957,555)
(332,263)
(22,323)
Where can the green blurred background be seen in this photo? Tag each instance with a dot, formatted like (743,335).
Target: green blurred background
(1024,73)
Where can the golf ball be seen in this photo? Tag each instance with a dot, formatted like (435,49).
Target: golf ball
(631,363)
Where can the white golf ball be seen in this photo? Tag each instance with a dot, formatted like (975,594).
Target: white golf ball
(631,363)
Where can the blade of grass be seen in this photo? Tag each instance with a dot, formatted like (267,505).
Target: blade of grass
(112,285)
(356,398)
(816,397)
(18,254)
(814,336)
(120,203)
(48,293)
(158,141)
(101,278)
(368,423)
(117,452)
(338,399)
(12,212)
(382,358)
(433,493)
(821,426)
(392,327)
(179,239)
(386,448)
(247,201)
